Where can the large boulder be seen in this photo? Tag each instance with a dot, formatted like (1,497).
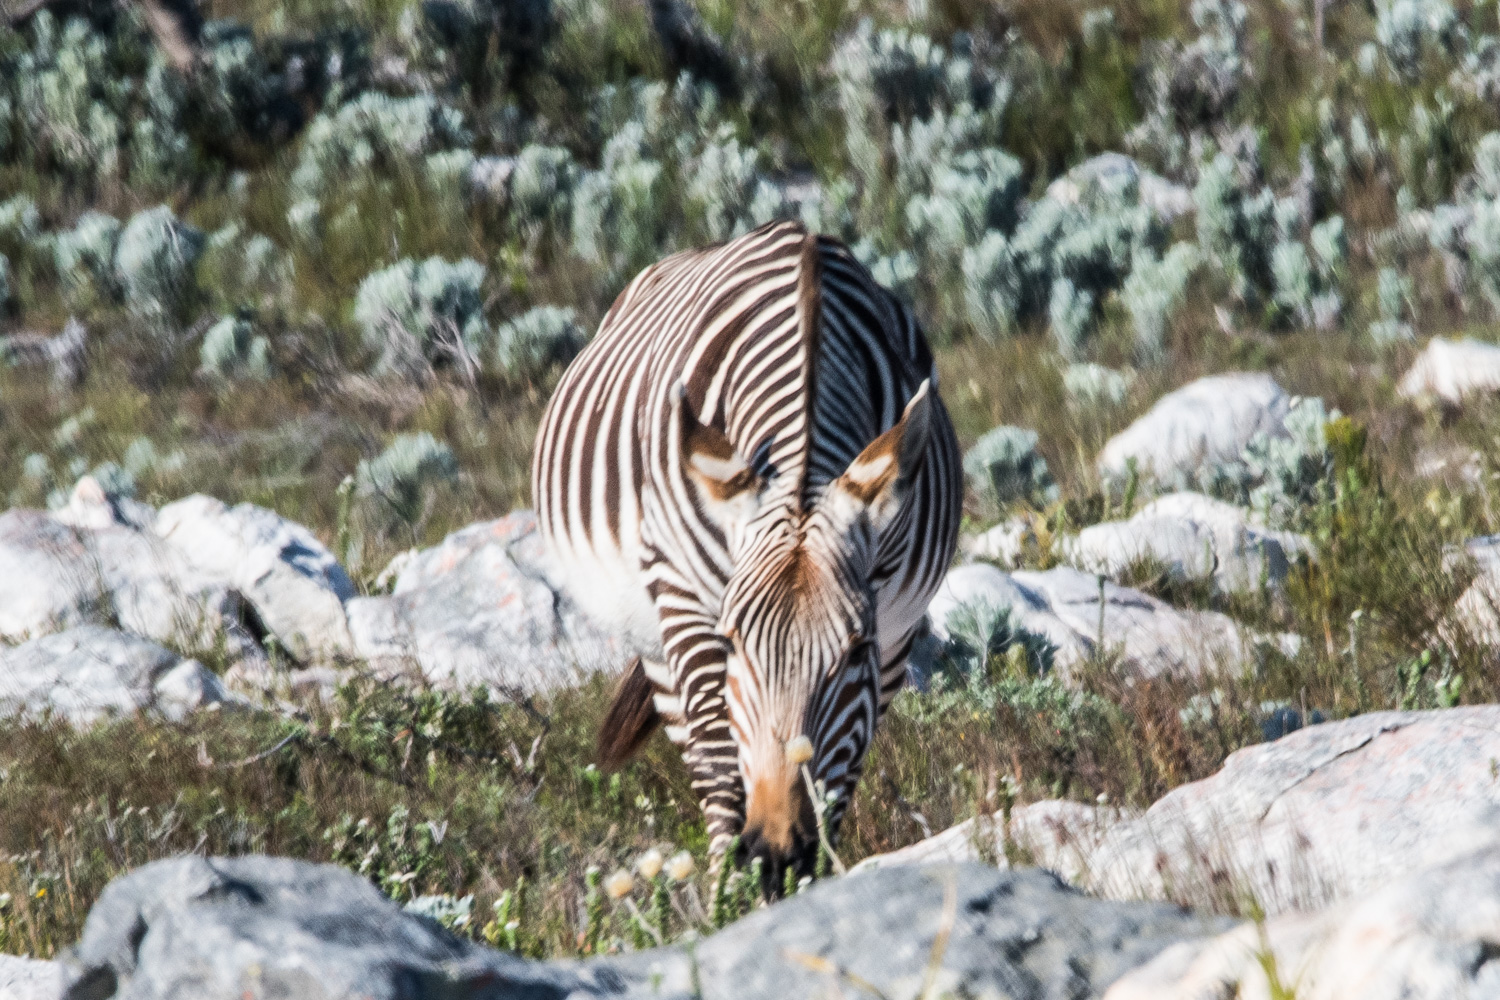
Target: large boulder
(1192,537)
(193,574)
(482,608)
(221,929)
(90,672)
(1151,637)
(1429,935)
(1317,816)
(1321,814)
(1204,423)
(226,928)
(1450,370)
(297,587)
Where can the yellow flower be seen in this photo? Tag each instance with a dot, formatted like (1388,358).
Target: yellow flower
(649,864)
(618,885)
(799,750)
(680,866)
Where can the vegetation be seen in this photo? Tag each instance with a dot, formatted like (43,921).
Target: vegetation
(331,259)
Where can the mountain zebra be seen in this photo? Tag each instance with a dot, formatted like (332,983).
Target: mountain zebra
(749,473)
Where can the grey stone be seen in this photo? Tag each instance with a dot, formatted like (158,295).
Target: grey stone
(1150,637)
(1204,423)
(1193,537)
(1448,371)
(224,928)
(482,607)
(90,672)
(31,979)
(1428,935)
(1118,171)
(1477,612)
(1321,814)
(296,585)
(217,929)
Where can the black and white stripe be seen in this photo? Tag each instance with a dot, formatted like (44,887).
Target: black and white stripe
(770,603)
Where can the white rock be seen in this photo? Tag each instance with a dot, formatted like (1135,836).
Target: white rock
(90,672)
(31,979)
(1004,544)
(296,585)
(1204,422)
(1195,537)
(1319,815)
(1429,935)
(1449,370)
(1166,199)
(1150,636)
(482,607)
(1054,834)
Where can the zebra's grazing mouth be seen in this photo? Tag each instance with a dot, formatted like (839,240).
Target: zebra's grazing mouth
(749,472)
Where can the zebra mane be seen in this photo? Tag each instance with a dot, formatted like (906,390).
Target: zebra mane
(809,314)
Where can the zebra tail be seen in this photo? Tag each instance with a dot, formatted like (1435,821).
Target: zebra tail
(631,719)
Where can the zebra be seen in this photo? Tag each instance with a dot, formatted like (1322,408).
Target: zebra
(748,473)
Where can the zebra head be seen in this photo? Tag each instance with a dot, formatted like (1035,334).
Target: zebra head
(797,618)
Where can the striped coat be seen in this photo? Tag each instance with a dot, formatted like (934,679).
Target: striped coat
(749,473)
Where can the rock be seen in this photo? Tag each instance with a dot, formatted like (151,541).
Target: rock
(296,585)
(1203,423)
(1194,537)
(1477,612)
(1449,370)
(1151,637)
(1118,171)
(1006,543)
(482,607)
(30,979)
(1321,814)
(223,928)
(90,672)
(65,354)
(1430,935)
(1054,834)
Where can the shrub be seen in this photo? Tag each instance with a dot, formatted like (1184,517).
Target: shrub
(231,349)
(1070,310)
(994,286)
(1092,385)
(1393,295)
(1005,466)
(402,476)
(547,335)
(1153,291)
(413,315)
(7,292)
(619,209)
(1408,30)
(154,262)
(69,99)
(1292,469)
(84,257)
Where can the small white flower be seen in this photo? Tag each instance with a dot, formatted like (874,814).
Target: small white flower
(619,884)
(649,864)
(799,750)
(680,866)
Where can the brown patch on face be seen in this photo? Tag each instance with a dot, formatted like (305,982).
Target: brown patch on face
(772,809)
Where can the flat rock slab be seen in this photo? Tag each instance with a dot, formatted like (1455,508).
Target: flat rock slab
(1320,815)
(1448,371)
(1432,935)
(1192,537)
(1151,637)
(220,929)
(89,673)
(482,608)
(1203,423)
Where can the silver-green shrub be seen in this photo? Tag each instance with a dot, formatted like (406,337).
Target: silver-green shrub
(154,261)
(1153,291)
(7,291)
(1091,385)
(401,476)
(1393,297)
(231,349)
(413,315)
(1004,466)
(526,345)
(84,257)
(994,285)
(1291,468)
(619,210)
(1409,30)
(1069,312)
(68,99)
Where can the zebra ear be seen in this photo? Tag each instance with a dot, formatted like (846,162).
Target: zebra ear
(722,475)
(877,481)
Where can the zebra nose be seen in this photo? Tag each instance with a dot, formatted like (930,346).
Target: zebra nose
(798,856)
